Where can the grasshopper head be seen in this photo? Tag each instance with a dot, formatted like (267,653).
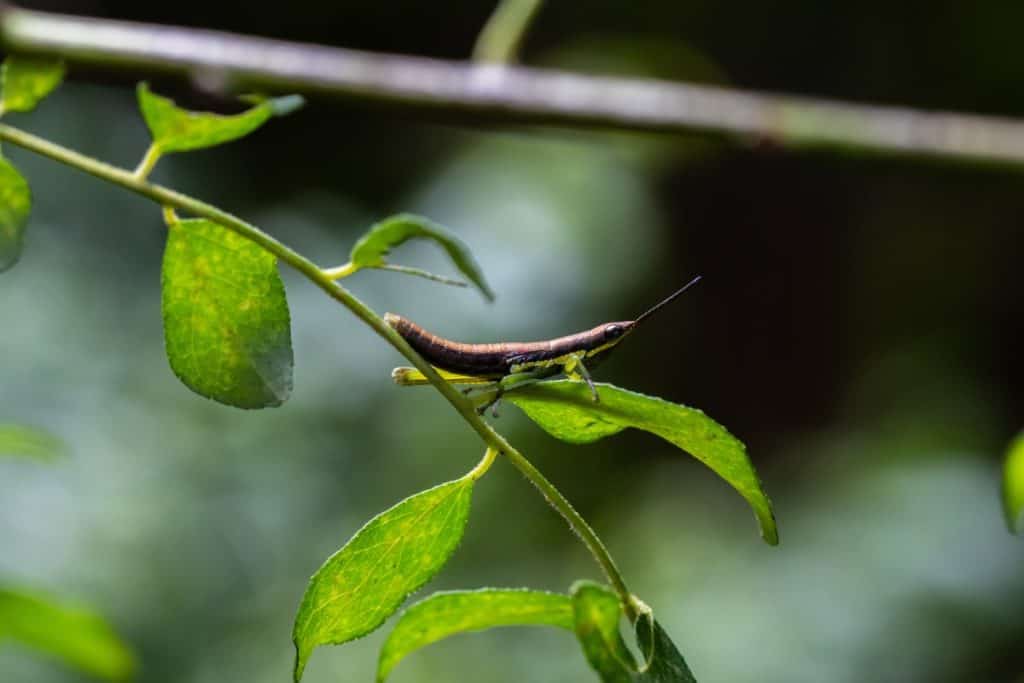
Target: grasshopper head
(613,332)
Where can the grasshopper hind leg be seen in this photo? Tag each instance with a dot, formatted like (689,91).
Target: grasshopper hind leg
(513,380)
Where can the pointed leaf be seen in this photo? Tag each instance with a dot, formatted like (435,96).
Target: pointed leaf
(24,81)
(75,635)
(664,662)
(597,613)
(448,613)
(567,411)
(1013,484)
(28,442)
(396,553)
(15,203)
(370,250)
(177,130)
(226,319)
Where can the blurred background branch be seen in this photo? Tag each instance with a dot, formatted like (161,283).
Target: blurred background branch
(511,94)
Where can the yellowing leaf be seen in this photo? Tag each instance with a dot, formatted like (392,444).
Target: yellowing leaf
(226,321)
(75,635)
(15,204)
(397,552)
(448,613)
(24,81)
(178,130)
(566,410)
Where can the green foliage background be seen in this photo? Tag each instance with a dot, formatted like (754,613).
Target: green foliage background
(858,328)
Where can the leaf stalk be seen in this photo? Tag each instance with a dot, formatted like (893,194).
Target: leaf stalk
(145,166)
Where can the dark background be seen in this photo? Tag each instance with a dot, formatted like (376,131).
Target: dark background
(858,327)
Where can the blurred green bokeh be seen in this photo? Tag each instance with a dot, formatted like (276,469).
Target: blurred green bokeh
(858,327)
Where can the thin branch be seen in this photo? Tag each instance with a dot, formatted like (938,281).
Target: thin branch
(166,197)
(511,94)
(501,37)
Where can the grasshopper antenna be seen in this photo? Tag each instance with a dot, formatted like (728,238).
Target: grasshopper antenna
(672,297)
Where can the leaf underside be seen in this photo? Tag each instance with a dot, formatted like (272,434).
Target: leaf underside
(598,613)
(397,552)
(448,613)
(566,410)
(372,248)
(226,322)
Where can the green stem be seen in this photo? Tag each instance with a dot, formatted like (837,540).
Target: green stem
(341,272)
(166,197)
(485,464)
(145,166)
(501,37)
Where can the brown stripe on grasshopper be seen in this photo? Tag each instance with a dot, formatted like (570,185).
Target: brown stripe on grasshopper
(571,354)
(498,360)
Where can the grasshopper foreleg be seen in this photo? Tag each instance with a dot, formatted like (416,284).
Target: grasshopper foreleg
(575,369)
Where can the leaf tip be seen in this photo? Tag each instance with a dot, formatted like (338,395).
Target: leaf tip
(282,106)
(769,527)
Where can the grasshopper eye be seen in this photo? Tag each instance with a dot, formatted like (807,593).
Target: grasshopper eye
(614,331)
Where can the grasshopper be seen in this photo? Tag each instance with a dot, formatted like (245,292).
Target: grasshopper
(505,365)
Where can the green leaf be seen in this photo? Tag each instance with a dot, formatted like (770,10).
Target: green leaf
(28,442)
(15,203)
(448,613)
(24,81)
(179,130)
(75,635)
(597,614)
(567,411)
(397,552)
(370,250)
(664,662)
(1013,484)
(226,321)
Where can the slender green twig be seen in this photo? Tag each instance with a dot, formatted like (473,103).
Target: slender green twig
(341,272)
(485,464)
(166,197)
(510,93)
(501,37)
(145,166)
